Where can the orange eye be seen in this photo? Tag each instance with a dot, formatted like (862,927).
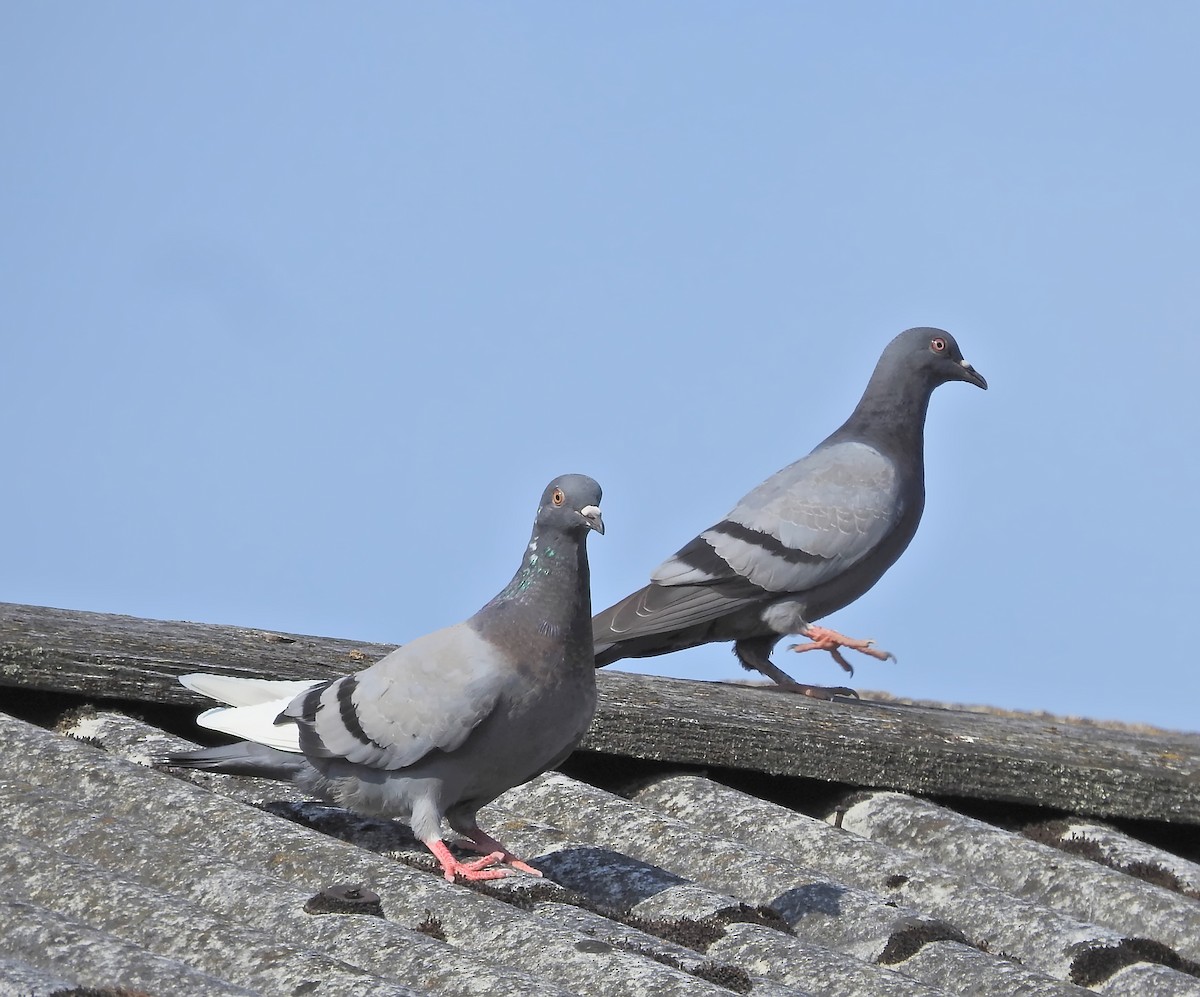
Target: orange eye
(937,344)
(558,498)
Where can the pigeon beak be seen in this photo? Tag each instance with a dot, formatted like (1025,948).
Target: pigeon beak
(591,516)
(970,374)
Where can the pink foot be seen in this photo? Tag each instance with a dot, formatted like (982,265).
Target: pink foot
(474,870)
(481,841)
(830,640)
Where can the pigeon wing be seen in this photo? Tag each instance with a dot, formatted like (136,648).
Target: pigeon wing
(428,695)
(799,528)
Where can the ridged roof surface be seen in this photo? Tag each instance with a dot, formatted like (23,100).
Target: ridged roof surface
(659,879)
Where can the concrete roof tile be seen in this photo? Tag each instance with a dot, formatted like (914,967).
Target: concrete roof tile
(59,945)
(1024,868)
(690,883)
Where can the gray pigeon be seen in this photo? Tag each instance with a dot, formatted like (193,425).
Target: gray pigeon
(807,541)
(445,724)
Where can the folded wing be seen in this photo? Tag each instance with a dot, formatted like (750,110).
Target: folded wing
(800,528)
(425,696)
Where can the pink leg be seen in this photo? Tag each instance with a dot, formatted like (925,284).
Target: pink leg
(830,640)
(475,870)
(481,841)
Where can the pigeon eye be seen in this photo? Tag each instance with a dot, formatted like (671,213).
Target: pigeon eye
(558,498)
(937,344)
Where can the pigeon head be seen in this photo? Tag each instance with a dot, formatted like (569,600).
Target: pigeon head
(891,412)
(929,355)
(571,503)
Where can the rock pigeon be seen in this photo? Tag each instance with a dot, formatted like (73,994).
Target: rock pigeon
(806,542)
(446,723)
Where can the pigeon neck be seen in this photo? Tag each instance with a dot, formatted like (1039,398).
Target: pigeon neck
(553,572)
(891,421)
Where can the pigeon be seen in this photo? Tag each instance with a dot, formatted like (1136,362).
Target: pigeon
(446,723)
(808,541)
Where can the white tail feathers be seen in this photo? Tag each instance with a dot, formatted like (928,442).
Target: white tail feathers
(253,705)
(254,723)
(243,692)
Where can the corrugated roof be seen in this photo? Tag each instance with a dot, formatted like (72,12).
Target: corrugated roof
(660,878)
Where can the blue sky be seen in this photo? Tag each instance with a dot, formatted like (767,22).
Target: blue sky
(304,304)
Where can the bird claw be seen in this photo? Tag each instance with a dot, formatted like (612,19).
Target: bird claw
(846,666)
(516,863)
(822,639)
(825,692)
(497,865)
(481,841)
(821,646)
(477,869)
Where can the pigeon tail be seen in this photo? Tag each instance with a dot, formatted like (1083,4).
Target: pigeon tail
(606,654)
(236,691)
(243,758)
